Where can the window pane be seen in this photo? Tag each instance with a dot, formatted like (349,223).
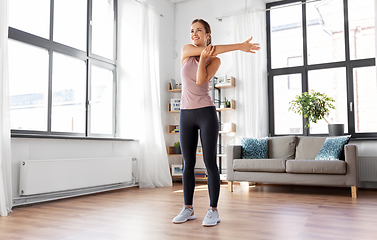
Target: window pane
(70,30)
(28,80)
(68,94)
(333,83)
(101,104)
(365,98)
(325,31)
(103,28)
(286,87)
(286,36)
(361,25)
(30,16)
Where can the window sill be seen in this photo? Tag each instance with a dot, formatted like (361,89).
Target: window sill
(17,135)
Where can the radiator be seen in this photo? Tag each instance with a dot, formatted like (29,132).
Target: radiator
(47,176)
(367,169)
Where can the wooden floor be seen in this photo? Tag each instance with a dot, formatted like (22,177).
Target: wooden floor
(259,212)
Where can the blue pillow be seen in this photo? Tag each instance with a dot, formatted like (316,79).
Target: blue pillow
(253,148)
(332,148)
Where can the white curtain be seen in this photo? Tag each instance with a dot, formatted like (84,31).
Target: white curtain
(5,156)
(250,71)
(375,31)
(153,163)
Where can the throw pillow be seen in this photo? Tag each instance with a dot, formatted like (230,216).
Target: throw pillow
(253,148)
(332,148)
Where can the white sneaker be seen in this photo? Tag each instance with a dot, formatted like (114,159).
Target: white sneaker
(212,218)
(184,215)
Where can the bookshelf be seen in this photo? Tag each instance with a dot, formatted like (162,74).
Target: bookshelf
(215,88)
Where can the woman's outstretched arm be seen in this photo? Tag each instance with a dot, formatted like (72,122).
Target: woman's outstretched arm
(192,50)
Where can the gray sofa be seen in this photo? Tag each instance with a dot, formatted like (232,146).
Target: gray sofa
(291,161)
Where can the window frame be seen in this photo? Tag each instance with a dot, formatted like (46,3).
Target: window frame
(349,64)
(90,60)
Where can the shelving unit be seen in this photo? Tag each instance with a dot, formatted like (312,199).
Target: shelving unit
(214,88)
(218,87)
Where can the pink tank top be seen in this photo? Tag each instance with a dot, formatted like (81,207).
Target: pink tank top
(193,95)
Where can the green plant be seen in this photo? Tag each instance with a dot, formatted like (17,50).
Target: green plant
(226,102)
(177,144)
(313,105)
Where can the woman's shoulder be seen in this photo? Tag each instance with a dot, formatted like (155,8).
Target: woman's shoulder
(188,46)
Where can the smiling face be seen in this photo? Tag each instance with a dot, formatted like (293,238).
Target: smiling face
(198,34)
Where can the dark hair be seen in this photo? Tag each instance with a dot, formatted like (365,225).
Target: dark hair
(207,27)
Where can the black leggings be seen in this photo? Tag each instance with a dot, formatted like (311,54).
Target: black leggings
(191,120)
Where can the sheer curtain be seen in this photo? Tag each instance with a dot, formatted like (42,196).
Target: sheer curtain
(154,165)
(250,71)
(5,157)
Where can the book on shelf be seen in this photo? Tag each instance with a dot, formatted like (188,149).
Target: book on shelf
(200,175)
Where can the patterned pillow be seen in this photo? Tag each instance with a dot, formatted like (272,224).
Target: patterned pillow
(332,148)
(253,148)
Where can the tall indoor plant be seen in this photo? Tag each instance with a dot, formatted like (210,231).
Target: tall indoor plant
(316,106)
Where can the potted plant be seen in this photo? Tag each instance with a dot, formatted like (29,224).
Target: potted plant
(227,103)
(177,147)
(316,106)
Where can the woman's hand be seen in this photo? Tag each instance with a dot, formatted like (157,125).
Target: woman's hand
(208,52)
(249,47)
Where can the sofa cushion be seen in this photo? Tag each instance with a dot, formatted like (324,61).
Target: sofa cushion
(282,147)
(332,148)
(316,166)
(308,147)
(253,148)
(259,165)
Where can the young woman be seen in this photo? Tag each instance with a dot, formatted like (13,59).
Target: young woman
(198,112)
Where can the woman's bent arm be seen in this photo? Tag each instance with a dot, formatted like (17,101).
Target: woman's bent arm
(192,50)
(206,72)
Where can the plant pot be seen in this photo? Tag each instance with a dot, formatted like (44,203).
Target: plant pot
(336,129)
(227,106)
(177,150)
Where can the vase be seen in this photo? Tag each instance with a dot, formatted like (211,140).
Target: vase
(336,129)
(177,150)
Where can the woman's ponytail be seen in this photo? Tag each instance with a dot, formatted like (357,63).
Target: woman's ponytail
(209,40)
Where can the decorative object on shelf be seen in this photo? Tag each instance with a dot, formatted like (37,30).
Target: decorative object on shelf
(177,147)
(173,84)
(221,79)
(173,129)
(175,104)
(226,103)
(176,129)
(228,127)
(199,150)
(176,169)
(315,106)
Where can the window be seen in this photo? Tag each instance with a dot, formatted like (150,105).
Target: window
(326,46)
(63,67)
